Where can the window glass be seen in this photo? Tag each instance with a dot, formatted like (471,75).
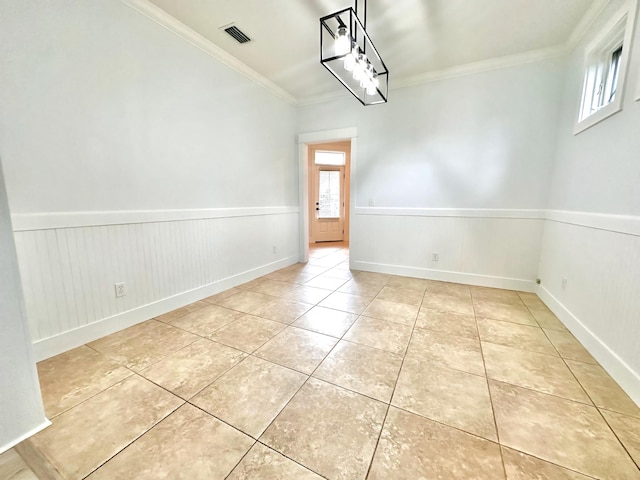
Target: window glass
(329,194)
(329,158)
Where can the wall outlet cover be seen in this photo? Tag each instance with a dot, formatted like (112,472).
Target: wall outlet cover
(121,289)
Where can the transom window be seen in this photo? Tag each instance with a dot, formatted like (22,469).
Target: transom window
(329,158)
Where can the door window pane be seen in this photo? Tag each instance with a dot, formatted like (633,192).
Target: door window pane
(329,158)
(329,194)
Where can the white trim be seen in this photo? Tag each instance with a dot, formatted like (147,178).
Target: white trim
(45,221)
(622,373)
(155,13)
(453,212)
(303,195)
(23,437)
(483,66)
(626,224)
(310,138)
(521,285)
(48,347)
(326,136)
(585,24)
(457,71)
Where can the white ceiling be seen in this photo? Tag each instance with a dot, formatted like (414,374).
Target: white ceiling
(414,37)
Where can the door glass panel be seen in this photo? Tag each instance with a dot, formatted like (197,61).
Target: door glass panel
(329,158)
(329,194)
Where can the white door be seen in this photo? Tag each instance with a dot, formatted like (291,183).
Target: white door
(328,195)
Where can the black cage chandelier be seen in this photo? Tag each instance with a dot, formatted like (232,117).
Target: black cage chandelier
(348,53)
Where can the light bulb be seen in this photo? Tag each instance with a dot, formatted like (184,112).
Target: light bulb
(357,71)
(369,70)
(343,42)
(371,89)
(350,60)
(359,68)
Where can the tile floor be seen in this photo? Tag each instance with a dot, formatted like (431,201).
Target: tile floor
(316,371)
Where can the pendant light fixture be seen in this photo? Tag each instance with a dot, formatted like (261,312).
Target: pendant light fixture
(349,54)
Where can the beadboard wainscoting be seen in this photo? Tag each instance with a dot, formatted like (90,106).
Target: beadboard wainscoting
(599,256)
(495,248)
(69,264)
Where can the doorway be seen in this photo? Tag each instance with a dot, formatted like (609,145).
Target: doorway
(306,140)
(329,192)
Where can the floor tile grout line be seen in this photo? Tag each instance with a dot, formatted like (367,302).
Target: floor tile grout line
(395,385)
(302,386)
(554,356)
(138,437)
(549,462)
(246,355)
(131,373)
(292,459)
(139,374)
(637,463)
(564,361)
(255,440)
(493,408)
(339,339)
(241,458)
(131,370)
(253,352)
(594,405)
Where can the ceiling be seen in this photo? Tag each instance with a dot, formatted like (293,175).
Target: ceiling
(416,38)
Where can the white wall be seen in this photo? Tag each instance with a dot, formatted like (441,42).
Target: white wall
(451,156)
(21,411)
(120,140)
(593,237)
(103,109)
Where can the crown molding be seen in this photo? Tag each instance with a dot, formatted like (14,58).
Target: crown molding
(558,51)
(484,66)
(588,19)
(457,71)
(156,14)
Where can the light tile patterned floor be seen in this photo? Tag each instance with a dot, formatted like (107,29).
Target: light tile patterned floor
(315,371)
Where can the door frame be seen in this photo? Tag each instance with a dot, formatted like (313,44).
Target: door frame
(344,182)
(312,138)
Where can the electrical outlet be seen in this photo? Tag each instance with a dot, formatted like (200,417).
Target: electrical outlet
(435,257)
(564,283)
(121,289)
(275,249)
(372,202)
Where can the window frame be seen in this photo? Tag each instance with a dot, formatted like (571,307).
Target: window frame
(598,60)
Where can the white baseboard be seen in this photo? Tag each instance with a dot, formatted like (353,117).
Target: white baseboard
(22,438)
(622,373)
(63,342)
(447,276)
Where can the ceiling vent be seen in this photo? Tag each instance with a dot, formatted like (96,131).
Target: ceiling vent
(236,33)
